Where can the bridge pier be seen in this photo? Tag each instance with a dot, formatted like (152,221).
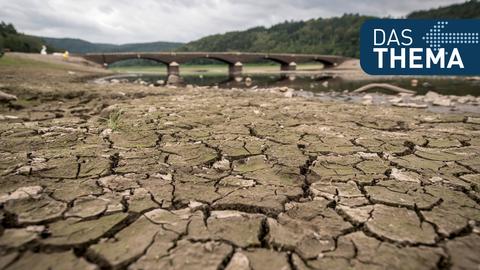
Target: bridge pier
(288,67)
(235,69)
(173,73)
(173,69)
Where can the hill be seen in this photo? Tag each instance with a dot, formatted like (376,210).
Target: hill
(338,35)
(82,46)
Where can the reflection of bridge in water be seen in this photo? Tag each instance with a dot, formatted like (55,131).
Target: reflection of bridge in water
(235,61)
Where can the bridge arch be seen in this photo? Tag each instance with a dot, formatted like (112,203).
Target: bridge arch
(217,58)
(170,69)
(110,60)
(234,66)
(325,63)
(277,60)
(145,63)
(153,59)
(285,64)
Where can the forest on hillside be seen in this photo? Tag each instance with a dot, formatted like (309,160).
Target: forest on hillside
(81,46)
(337,36)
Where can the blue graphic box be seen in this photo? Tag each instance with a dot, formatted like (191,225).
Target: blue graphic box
(420,47)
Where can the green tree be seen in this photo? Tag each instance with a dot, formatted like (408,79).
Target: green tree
(11,39)
(7,28)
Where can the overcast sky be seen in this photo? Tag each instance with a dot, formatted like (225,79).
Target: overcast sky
(127,21)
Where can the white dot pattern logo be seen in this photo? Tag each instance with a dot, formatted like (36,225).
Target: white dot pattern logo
(436,38)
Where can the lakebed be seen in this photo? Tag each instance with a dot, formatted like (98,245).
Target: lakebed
(131,176)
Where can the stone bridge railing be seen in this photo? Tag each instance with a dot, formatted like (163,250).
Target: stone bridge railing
(288,62)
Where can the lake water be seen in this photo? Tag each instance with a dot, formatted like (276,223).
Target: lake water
(321,83)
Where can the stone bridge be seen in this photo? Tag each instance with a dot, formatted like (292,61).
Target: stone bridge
(235,60)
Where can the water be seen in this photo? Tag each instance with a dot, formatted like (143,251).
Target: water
(323,83)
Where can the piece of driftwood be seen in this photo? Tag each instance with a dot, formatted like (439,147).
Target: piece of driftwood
(384,86)
(6,97)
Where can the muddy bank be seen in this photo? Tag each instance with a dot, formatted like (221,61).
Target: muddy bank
(376,94)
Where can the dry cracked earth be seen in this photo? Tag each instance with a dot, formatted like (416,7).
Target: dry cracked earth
(130,177)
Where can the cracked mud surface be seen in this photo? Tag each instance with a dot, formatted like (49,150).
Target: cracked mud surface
(217,179)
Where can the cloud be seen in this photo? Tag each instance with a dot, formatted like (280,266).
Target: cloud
(124,21)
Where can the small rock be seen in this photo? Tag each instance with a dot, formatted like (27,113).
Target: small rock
(437,99)
(222,165)
(166,177)
(35,228)
(396,99)
(236,182)
(465,99)
(410,105)
(367,102)
(7,97)
(289,93)
(106,132)
(442,102)
(367,155)
(194,205)
(367,97)
(435,179)
(404,176)
(118,95)
(8,117)
(473,120)
(208,246)
(152,109)
(238,262)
